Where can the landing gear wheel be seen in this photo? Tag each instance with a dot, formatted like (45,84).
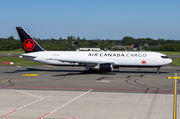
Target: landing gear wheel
(158,68)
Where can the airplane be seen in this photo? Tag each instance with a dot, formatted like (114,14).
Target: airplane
(103,61)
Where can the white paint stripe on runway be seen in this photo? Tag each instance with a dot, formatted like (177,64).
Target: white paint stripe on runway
(40,98)
(65,104)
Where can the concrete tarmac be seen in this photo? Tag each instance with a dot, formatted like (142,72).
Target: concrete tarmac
(48,92)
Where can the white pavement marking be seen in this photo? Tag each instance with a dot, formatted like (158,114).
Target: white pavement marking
(104,81)
(66,104)
(40,98)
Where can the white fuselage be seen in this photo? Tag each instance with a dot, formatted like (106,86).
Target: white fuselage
(90,58)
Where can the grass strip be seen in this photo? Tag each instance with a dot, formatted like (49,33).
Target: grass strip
(17,61)
(12,52)
(176,61)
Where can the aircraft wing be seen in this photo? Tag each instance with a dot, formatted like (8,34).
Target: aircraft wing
(83,62)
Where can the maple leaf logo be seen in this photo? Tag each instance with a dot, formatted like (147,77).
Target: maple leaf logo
(28,45)
(143,61)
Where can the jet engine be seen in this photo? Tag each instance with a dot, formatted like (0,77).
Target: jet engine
(106,67)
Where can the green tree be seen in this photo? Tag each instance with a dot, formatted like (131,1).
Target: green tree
(146,46)
(118,48)
(127,40)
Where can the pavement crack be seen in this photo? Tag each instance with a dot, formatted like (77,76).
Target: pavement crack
(150,110)
(137,105)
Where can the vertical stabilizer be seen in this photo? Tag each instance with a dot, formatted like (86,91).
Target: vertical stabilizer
(28,43)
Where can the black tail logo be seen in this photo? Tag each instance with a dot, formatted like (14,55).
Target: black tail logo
(28,43)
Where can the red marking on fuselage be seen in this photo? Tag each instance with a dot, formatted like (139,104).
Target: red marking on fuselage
(143,61)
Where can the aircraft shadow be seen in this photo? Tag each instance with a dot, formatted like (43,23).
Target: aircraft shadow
(153,72)
(70,72)
(34,69)
(85,73)
(82,72)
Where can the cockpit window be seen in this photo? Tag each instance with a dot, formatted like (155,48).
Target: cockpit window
(165,57)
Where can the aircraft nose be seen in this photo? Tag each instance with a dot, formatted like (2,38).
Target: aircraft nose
(169,61)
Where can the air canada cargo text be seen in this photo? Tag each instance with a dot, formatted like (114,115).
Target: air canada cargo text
(117,55)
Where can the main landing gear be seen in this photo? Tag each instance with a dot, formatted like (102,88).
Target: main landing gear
(158,68)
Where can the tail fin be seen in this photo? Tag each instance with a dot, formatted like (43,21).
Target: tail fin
(28,43)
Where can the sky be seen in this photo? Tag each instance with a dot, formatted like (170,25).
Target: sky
(91,19)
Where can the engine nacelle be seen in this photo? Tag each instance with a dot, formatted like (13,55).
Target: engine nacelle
(106,67)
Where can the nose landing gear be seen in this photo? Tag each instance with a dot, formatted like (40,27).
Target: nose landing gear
(158,68)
